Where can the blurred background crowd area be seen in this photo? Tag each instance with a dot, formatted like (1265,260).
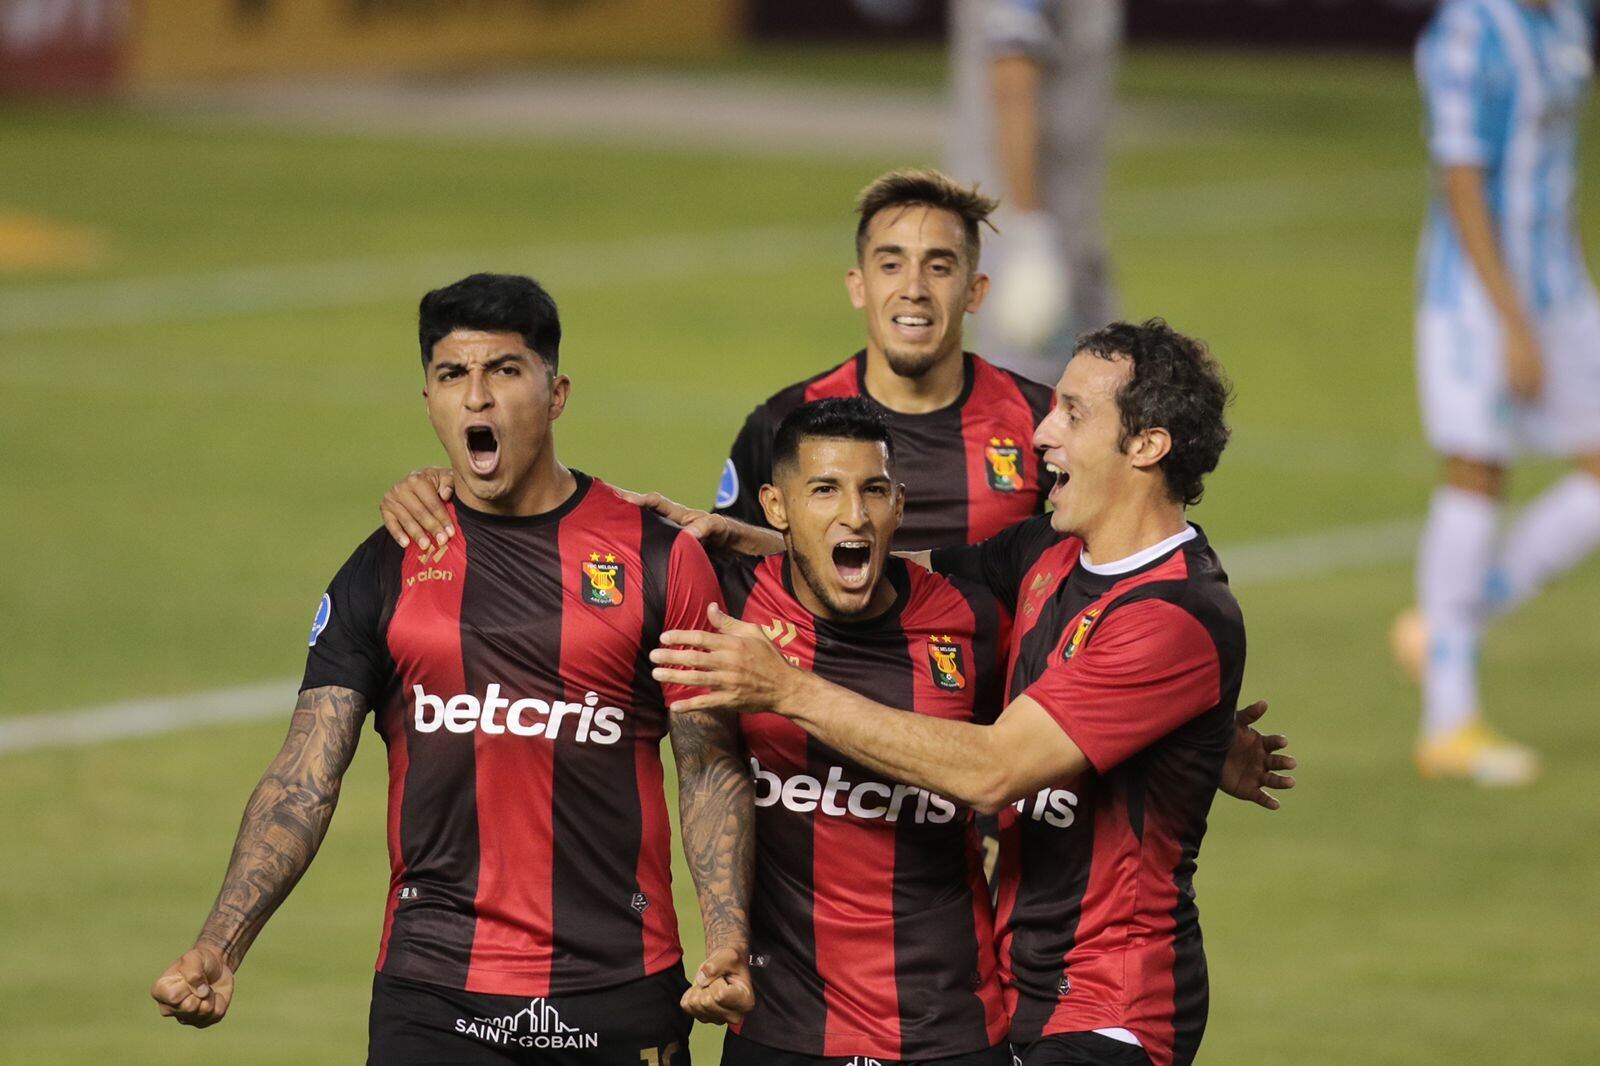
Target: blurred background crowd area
(216,218)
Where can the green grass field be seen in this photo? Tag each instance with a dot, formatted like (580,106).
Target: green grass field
(180,487)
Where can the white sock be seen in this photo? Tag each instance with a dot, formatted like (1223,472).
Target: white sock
(1552,536)
(1453,567)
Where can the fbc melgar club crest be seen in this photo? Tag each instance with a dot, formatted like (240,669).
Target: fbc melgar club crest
(1001,458)
(604,581)
(944,660)
(1080,634)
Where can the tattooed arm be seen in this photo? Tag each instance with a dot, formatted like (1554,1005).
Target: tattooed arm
(715,804)
(284,823)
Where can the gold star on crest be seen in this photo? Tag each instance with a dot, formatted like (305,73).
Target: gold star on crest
(610,558)
(594,557)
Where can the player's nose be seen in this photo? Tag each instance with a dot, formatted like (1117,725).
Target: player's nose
(478,396)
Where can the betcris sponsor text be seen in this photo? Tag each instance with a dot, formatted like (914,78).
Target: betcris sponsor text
(494,715)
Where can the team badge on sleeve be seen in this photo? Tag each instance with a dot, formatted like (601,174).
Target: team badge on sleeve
(1080,634)
(728,487)
(1002,459)
(320,622)
(944,660)
(604,580)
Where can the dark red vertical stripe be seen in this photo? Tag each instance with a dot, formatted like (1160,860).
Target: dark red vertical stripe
(392,725)
(437,824)
(595,806)
(790,1008)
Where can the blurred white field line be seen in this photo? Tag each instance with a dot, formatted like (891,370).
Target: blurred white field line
(354,282)
(1308,555)
(675,111)
(1184,210)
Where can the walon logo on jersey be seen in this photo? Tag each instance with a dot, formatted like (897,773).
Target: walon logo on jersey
(1003,457)
(944,661)
(837,797)
(604,581)
(538,1025)
(426,556)
(1080,634)
(586,722)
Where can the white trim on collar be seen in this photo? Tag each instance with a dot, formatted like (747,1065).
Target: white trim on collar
(1140,558)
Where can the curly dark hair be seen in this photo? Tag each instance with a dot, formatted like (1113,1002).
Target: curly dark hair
(1177,386)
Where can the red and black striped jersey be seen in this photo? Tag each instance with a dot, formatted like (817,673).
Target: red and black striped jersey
(509,676)
(1140,664)
(871,930)
(969,468)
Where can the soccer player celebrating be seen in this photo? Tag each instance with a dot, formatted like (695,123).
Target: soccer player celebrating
(1508,350)
(871,933)
(1126,663)
(961,425)
(529,915)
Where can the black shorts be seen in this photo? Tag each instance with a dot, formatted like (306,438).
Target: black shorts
(737,1051)
(417,1024)
(1081,1049)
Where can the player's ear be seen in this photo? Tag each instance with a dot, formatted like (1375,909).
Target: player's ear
(899,504)
(856,286)
(977,291)
(1149,447)
(560,389)
(772,504)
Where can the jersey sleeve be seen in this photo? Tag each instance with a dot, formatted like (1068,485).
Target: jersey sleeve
(1000,562)
(691,588)
(748,467)
(1462,88)
(1145,670)
(347,643)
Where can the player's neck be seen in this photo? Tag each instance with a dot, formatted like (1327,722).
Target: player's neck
(1129,530)
(938,388)
(547,486)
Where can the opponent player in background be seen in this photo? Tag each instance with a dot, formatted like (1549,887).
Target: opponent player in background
(1126,663)
(871,933)
(529,915)
(1033,91)
(1508,350)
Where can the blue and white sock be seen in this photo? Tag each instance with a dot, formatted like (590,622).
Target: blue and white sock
(1453,566)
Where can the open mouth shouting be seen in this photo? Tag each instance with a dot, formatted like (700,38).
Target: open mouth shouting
(852,561)
(1062,477)
(483,450)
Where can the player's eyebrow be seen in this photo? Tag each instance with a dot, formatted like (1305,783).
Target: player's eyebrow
(932,253)
(502,360)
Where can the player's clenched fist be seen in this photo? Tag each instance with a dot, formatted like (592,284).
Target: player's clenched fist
(197,987)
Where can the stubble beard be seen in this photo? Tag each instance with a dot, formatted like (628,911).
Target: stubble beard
(910,364)
(814,583)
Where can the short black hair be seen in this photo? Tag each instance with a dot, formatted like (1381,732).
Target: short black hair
(1177,386)
(493,303)
(839,418)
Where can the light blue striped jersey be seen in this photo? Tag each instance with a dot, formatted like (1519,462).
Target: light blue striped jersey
(1502,81)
